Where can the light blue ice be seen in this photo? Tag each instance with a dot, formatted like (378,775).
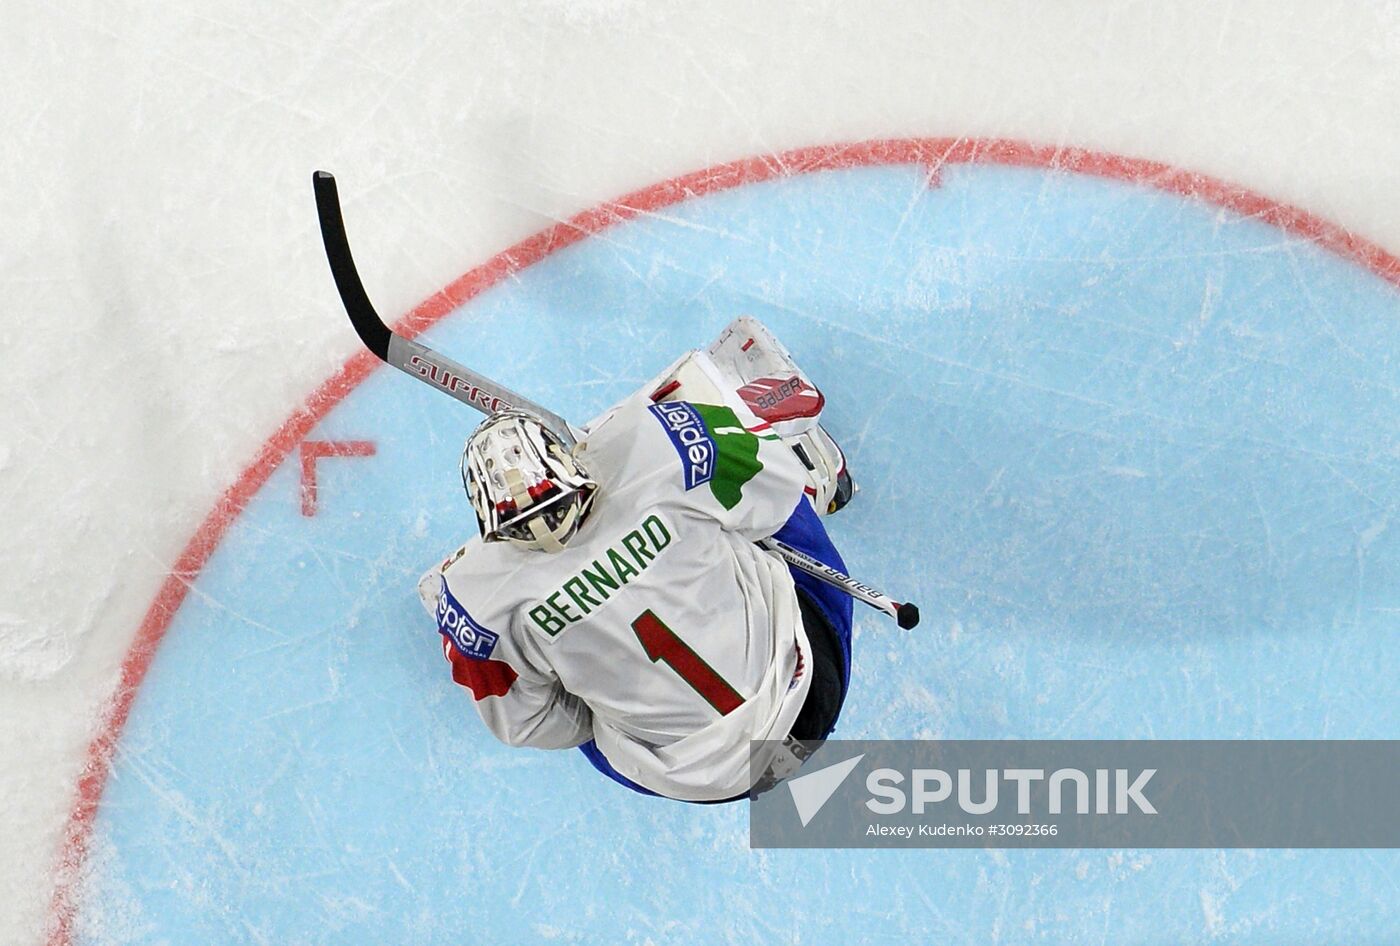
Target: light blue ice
(1137,458)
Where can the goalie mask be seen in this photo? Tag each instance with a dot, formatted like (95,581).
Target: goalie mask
(523,483)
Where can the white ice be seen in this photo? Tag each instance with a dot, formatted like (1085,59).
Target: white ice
(166,303)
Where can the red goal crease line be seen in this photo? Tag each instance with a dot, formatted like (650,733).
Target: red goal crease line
(930,153)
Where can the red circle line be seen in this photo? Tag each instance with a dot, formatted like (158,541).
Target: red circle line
(931,153)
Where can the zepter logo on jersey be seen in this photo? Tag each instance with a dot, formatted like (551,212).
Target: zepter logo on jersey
(692,440)
(714,447)
(469,637)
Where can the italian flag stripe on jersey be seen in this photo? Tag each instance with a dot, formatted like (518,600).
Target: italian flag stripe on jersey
(714,446)
(737,447)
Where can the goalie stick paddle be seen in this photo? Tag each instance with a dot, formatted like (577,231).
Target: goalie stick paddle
(409,356)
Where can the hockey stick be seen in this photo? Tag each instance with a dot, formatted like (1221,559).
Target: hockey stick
(906,615)
(409,356)
(487,396)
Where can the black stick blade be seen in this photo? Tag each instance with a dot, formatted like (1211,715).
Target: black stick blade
(370,327)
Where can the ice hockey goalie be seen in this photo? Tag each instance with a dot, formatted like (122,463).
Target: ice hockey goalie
(615,599)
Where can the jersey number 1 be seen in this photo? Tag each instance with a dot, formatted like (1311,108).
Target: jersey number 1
(661,643)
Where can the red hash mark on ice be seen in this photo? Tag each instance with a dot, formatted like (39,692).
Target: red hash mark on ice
(313,450)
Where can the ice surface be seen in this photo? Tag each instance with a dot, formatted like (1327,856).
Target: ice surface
(166,306)
(1137,473)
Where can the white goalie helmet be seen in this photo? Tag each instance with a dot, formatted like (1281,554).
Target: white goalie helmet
(523,482)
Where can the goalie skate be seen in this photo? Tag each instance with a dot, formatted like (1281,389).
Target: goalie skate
(829,483)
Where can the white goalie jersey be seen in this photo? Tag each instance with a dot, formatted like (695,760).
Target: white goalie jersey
(661,630)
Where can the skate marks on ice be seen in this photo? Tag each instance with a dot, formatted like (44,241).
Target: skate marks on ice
(1137,456)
